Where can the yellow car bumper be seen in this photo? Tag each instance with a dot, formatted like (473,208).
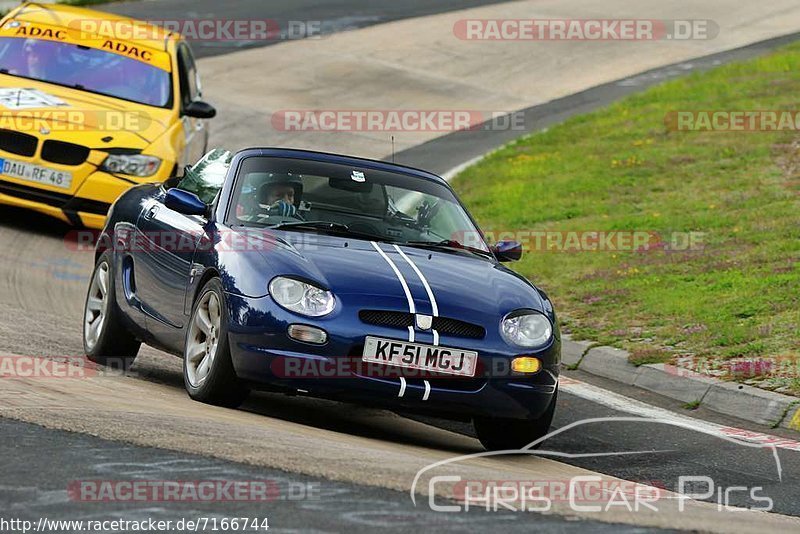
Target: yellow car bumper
(88,207)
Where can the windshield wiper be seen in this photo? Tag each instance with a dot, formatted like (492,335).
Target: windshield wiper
(315,225)
(448,244)
(325,226)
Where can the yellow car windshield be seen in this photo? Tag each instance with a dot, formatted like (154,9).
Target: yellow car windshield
(87,69)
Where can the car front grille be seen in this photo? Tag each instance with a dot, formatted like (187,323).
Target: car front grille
(18,143)
(443,325)
(64,153)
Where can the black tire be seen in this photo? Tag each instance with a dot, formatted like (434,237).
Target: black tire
(115,346)
(497,434)
(221,387)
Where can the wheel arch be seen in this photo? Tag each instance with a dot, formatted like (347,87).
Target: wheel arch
(103,245)
(208,274)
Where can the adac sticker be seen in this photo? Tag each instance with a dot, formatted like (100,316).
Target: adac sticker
(157,58)
(20,98)
(38,32)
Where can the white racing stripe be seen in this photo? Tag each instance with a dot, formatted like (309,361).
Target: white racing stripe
(626,404)
(428,290)
(402,387)
(427,390)
(411,307)
(425,284)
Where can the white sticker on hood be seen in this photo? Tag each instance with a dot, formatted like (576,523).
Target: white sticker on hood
(18,98)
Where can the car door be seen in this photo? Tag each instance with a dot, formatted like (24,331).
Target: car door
(195,130)
(166,245)
(163,261)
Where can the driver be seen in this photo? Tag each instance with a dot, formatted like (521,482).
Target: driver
(35,59)
(280,196)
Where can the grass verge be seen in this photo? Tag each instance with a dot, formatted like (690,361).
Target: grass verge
(734,296)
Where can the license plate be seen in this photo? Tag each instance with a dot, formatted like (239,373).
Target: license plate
(35,173)
(415,356)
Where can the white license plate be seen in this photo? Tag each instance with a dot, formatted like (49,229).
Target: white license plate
(415,356)
(35,173)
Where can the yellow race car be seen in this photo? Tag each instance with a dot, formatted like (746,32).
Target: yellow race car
(92,104)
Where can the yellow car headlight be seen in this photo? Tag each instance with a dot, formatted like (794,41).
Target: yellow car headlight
(132,165)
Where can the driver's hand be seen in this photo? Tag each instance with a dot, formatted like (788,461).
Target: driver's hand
(284,209)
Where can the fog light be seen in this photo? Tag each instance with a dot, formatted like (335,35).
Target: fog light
(526,364)
(308,334)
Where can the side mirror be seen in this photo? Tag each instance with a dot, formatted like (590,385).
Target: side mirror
(200,110)
(185,202)
(507,251)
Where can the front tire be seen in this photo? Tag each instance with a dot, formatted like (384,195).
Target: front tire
(208,372)
(106,341)
(497,434)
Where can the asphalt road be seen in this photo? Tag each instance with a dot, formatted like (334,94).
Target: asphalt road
(47,462)
(42,283)
(318,17)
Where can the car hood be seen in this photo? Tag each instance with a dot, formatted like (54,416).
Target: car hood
(462,284)
(79,117)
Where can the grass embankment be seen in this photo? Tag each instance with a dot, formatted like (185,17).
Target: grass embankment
(734,301)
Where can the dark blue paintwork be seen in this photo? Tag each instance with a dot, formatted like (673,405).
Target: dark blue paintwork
(185,202)
(156,283)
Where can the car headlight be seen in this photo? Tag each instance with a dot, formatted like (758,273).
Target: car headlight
(132,164)
(300,297)
(526,329)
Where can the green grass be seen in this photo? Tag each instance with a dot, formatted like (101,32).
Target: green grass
(622,169)
(646,355)
(692,405)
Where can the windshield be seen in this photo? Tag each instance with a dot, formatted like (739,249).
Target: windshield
(86,68)
(381,205)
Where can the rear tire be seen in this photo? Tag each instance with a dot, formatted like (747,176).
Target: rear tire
(208,372)
(106,340)
(498,434)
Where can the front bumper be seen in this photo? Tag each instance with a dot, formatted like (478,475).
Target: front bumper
(74,210)
(87,206)
(264,355)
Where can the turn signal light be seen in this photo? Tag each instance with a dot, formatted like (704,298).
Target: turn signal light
(526,364)
(308,334)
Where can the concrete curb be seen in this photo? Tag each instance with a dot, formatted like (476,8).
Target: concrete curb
(729,398)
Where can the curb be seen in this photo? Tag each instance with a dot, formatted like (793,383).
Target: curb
(728,398)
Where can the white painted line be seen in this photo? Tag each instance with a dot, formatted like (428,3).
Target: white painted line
(411,334)
(427,390)
(449,175)
(622,403)
(402,387)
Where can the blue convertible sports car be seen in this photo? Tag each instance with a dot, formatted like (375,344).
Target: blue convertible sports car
(325,275)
